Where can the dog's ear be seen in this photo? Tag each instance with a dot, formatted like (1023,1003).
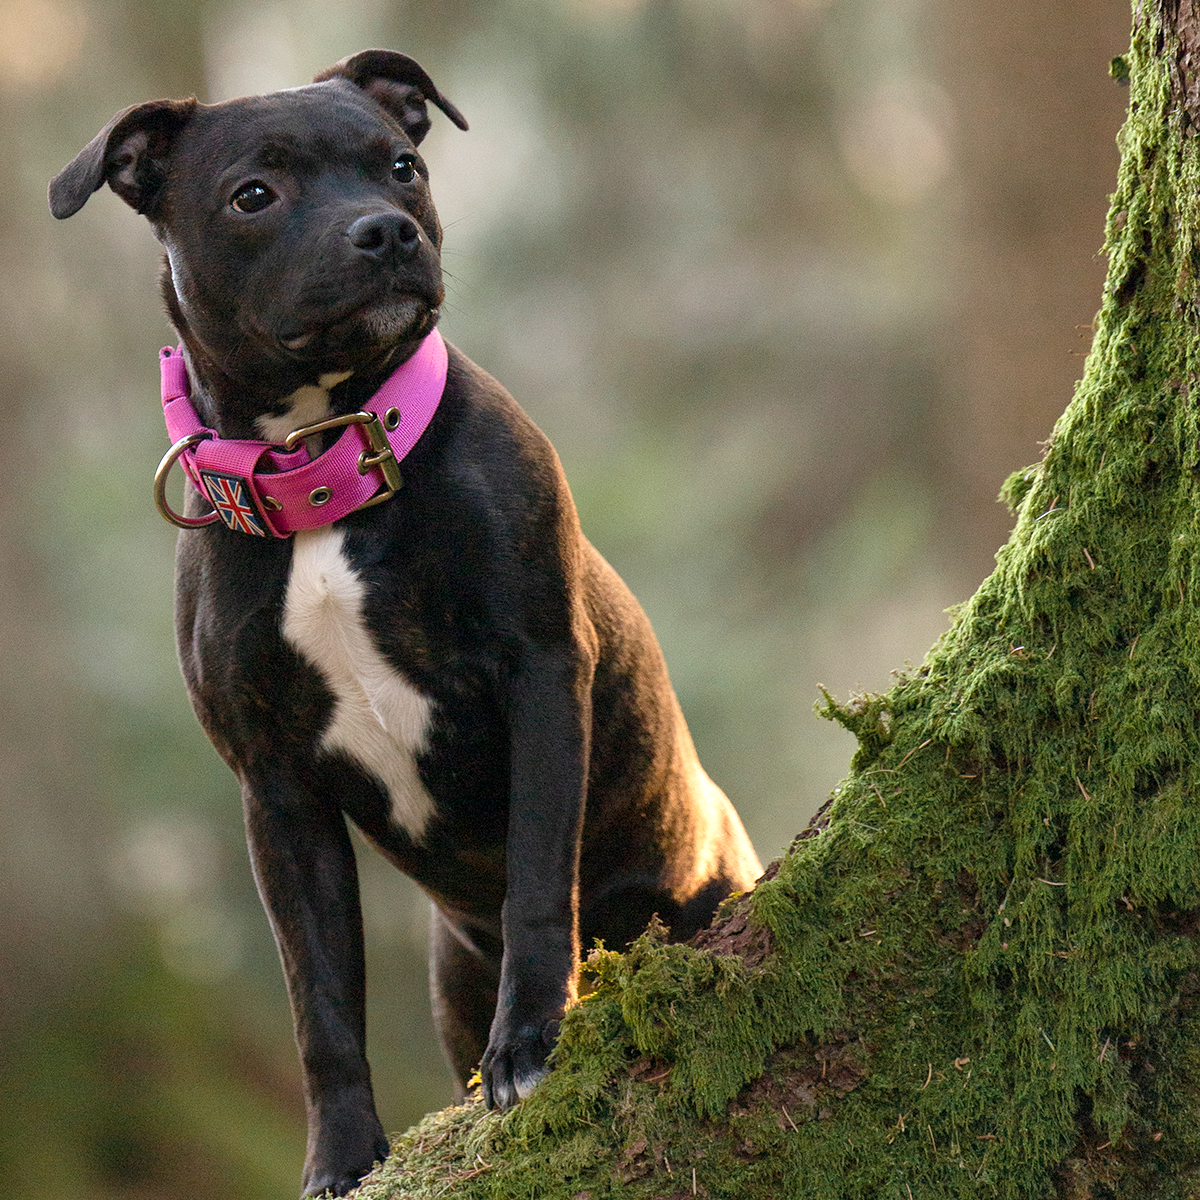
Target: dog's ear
(399,84)
(129,154)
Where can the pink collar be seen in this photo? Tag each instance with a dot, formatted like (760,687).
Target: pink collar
(262,489)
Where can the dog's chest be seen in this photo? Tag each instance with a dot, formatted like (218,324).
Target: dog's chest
(380,721)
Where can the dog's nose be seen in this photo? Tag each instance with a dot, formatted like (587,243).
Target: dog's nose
(384,234)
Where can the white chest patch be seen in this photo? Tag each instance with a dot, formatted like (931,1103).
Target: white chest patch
(305,406)
(380,720)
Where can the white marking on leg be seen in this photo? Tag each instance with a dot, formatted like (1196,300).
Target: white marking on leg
(524,1083)
(380,720)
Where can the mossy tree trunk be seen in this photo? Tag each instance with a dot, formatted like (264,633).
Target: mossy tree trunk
(976,974)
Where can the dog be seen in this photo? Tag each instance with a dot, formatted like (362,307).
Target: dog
(417,636)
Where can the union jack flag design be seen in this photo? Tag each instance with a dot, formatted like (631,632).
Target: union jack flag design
(231,498)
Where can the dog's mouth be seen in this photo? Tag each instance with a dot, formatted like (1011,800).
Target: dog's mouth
(366,329)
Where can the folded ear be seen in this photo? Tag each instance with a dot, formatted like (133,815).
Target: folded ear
(399,84)
(129,154)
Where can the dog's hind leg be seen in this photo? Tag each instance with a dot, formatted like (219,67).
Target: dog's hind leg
(463,982)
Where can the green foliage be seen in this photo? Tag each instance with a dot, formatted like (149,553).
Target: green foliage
(132,1082)
(981,977)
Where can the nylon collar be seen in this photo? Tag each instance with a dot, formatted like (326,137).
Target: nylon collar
(267,489)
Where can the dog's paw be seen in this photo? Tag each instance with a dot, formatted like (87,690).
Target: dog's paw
(515,1062)
(339,1181)
(332,1185)
(343,1152)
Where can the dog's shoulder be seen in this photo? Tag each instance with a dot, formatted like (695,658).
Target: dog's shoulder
(483,402)
(495,442)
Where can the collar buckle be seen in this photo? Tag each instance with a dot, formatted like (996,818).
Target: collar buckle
(377,454)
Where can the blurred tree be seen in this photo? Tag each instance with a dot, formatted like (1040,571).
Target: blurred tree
(1035,114)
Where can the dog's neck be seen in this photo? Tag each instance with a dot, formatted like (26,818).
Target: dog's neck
(243,393)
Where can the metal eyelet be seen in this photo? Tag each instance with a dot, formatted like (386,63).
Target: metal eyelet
(391,420)
(269,502)
(319,496)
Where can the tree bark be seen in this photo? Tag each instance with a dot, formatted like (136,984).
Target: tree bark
(976,973)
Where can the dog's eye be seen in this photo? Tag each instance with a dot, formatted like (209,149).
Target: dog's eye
(404,169)
(252,197)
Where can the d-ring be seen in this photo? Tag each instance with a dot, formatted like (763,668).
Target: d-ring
(160,484)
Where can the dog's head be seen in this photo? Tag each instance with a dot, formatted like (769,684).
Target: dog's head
(298,225)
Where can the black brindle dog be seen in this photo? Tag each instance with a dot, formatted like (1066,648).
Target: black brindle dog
(456,670)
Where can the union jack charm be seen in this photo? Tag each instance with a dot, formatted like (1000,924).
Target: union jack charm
(231,498)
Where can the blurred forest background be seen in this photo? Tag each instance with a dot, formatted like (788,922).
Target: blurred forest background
(792,285)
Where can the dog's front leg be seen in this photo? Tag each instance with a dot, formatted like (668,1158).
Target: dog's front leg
(550,733)
(304,867)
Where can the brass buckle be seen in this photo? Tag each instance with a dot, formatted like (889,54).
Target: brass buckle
(160,485)
(381,455)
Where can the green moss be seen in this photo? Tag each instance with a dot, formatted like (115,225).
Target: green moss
(981,977)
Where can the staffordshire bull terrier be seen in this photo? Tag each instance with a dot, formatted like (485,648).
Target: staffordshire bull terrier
(386,610)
